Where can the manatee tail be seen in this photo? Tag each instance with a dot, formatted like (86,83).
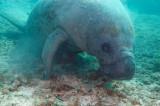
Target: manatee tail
(20,25)
(14,13)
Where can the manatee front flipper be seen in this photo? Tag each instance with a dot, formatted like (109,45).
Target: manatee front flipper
(53,42)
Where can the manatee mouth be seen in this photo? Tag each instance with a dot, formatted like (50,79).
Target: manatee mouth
(122,69)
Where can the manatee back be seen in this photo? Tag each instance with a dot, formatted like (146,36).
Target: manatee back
(42,20)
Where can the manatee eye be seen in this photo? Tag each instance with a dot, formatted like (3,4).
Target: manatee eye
(106,48)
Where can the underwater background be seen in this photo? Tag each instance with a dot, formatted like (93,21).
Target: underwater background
(77,83)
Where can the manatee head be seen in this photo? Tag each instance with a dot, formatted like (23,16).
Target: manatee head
(113,45)
(115,53)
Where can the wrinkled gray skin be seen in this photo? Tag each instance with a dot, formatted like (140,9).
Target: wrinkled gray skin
(100,27)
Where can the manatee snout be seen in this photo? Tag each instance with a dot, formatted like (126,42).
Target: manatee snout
(122,69)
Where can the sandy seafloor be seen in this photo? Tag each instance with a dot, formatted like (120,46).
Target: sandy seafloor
(82,86)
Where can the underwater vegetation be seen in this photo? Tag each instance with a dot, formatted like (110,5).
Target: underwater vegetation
(76,81)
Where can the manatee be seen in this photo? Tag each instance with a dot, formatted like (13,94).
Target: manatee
(101,28)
